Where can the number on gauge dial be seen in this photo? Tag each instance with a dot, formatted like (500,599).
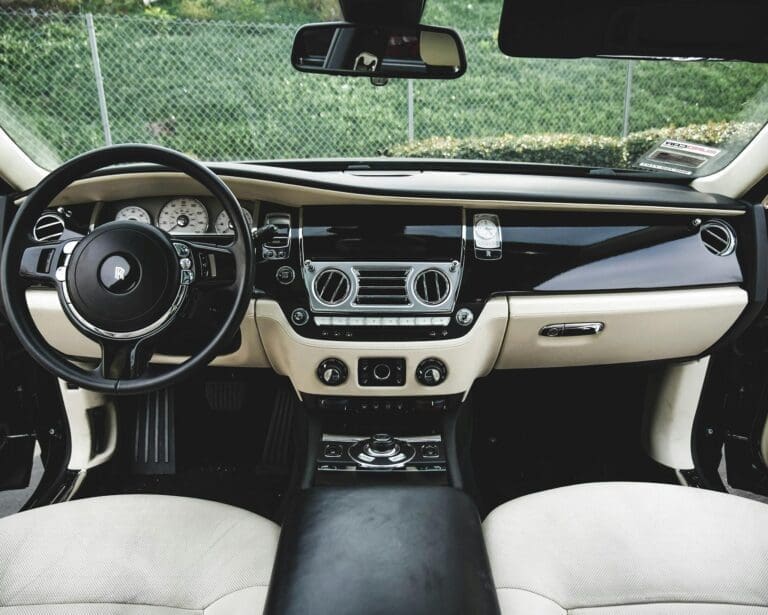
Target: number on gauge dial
(224,226)
(183,215)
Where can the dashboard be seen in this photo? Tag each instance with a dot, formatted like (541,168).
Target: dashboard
(362,291)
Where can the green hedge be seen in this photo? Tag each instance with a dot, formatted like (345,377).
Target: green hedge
(576,149)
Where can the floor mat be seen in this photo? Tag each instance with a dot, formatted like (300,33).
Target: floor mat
(537,430)
(222,425)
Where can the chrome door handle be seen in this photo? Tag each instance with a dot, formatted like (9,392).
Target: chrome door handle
(572,329)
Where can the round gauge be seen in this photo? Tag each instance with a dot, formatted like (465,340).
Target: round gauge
(224,226)
(183,215)
(486,229)
(135,213)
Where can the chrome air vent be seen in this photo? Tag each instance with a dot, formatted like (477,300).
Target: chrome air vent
(432,287)
(718,237)
(382,286)
(332,286)
(49,227)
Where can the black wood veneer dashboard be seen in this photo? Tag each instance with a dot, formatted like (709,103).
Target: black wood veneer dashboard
(492,252)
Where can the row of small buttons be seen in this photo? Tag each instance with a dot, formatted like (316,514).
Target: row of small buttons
(383,321)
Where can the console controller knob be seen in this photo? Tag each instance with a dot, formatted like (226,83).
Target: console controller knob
(431,372)
(383,443)
(332,372)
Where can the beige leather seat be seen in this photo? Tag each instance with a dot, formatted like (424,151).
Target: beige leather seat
(630,549)
(137,554)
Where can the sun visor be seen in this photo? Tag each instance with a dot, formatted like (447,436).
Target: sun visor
(723,29)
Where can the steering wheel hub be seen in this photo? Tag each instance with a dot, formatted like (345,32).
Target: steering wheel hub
(120,273)
(123,277)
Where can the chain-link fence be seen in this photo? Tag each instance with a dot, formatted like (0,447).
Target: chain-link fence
(226,90)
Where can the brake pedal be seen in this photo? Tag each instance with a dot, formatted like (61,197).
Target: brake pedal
(155,434)
(226,396)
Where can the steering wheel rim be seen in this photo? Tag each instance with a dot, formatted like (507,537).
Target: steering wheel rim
(19,240)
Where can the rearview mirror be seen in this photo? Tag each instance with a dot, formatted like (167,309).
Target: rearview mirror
(354,50)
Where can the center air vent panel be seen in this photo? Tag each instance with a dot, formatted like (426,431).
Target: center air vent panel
(718,237)
(49,227)
(382,286)
(332,286)
(432,287)
(370,287)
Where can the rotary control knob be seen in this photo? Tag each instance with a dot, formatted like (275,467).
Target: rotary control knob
(383,444)
(431,372)
(332,372)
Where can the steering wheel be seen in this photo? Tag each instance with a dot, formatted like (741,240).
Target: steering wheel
(124,283)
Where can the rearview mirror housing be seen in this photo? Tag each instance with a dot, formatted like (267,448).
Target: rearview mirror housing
(384,52)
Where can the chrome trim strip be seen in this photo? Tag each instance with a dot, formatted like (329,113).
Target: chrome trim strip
(160,323)
(452,270)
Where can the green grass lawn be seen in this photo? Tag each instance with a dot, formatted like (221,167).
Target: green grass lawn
(227,91)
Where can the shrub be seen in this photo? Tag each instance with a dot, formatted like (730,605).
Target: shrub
(576,149)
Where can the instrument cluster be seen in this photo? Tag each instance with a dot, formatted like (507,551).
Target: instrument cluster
(181,215)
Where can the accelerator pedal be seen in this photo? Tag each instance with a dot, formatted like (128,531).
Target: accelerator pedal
(155,434)
(278,447)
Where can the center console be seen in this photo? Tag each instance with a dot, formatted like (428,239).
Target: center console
(371,301)
(423,546)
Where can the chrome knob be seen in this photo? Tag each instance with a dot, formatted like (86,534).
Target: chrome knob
(431,372)
(332,372)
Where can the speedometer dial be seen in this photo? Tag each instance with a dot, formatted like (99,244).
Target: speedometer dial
(135,213)
(224,226)
(183,215)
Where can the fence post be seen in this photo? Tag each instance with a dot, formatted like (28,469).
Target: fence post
(97,77)
(410,110)
(628,98)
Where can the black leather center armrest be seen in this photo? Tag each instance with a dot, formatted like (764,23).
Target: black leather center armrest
(382,551)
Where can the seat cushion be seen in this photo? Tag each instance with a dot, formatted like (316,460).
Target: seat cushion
(142,554)
(630,549)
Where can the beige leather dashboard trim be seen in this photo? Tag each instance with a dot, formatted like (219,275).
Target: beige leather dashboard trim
(639,326)
(137,185)
(467,358)
(60,333)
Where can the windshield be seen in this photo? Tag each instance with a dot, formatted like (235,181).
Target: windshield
(219,86)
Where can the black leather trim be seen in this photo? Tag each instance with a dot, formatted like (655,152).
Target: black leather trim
(382,551)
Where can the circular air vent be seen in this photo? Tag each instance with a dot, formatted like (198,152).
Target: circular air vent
(332,286)
(49,227)
(718,237)
(432,286)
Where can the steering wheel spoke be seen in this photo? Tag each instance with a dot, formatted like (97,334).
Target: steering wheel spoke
(45,263)
(125,359)
(208,264)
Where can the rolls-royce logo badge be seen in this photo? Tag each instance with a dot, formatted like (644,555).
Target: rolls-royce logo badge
(119,273)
